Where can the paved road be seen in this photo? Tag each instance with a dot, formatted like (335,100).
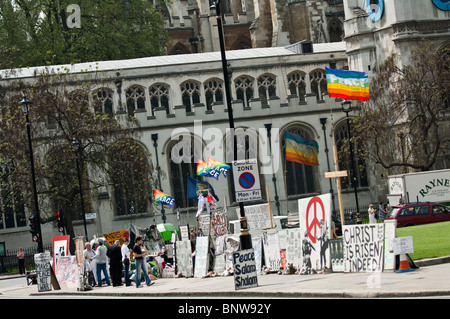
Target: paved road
(426,281)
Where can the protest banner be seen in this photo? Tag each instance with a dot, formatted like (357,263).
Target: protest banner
(43,269)
(363,247)
(184,257)
(315,232)
(272,257)
(293,249)
(219,222)
(116,235)
(258,217)
(201,257)
(66,270)
(337,255)
(60,248)
(244,269)
(257,247)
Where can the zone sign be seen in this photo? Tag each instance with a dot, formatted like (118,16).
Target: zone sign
(246,180)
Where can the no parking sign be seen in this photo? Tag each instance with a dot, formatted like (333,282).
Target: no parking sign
(246,180)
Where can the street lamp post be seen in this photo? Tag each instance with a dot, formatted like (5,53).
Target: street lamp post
(245,237)
(76,149)
(155,145)
(25,103)
(347,108)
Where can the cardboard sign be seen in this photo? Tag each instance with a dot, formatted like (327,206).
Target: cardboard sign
(201,257)
(258,217)
(271,244)
(337,255)
(43,269)
(402,245)
(244,269)
(363,247)
(219,222)
(184,257)
(117,235)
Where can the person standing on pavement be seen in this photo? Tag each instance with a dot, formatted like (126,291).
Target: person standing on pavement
(115,263)
(102,260)
(126,261)
(89,256)
(21,261)
(372,211)
(139,255)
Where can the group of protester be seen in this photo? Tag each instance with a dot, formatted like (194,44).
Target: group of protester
(96,262)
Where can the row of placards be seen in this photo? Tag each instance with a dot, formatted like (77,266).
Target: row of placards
(362,248)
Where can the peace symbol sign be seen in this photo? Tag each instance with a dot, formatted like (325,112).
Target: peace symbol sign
(314,225)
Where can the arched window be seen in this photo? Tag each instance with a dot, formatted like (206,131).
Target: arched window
(103,101)
(266,87)
(300,179)
(335,30)
(213,92)
(135,97)
(319,84)
(183,165)
(129,172)
(159,96)
(344,159)
(190,94)
(244,89)
(297,84)
(246,140)
(63,182)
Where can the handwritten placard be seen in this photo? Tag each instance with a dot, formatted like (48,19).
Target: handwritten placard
(363,247)
(244,269)
(42,263)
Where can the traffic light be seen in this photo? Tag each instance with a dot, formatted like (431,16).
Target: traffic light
(59,219)
(34,228)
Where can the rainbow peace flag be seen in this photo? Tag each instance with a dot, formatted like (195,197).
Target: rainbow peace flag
(164,199)
(202,168)
(348,85)
(215,168)
(301,150)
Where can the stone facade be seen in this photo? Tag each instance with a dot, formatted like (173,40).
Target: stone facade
(276,86)
(192,24)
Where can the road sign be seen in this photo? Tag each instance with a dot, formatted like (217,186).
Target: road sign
(246,180)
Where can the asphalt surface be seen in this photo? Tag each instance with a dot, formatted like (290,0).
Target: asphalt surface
(431,279)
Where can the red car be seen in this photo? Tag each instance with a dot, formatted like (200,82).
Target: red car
(418,214)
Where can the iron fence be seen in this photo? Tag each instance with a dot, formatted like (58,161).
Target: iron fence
(10,264)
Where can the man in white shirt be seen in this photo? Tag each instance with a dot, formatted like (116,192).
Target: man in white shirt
(126,261)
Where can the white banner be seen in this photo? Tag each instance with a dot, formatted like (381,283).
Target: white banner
(363,247)
(315,232)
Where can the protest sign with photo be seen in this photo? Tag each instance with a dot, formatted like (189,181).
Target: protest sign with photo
(315,232)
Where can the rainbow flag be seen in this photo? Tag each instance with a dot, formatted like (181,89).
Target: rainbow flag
(348,85)
(202,168)
(164,199)
(301,150)
(215,168)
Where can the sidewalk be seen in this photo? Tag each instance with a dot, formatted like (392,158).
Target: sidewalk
(431,279)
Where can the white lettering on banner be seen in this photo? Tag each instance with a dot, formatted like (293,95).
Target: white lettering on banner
(363,247)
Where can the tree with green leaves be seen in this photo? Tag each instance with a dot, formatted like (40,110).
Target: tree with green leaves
(110,159)
(405,125)
(49,32)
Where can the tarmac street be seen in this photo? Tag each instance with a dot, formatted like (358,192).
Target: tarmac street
(425,281)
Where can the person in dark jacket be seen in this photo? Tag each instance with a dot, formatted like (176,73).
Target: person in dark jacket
(115,263)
